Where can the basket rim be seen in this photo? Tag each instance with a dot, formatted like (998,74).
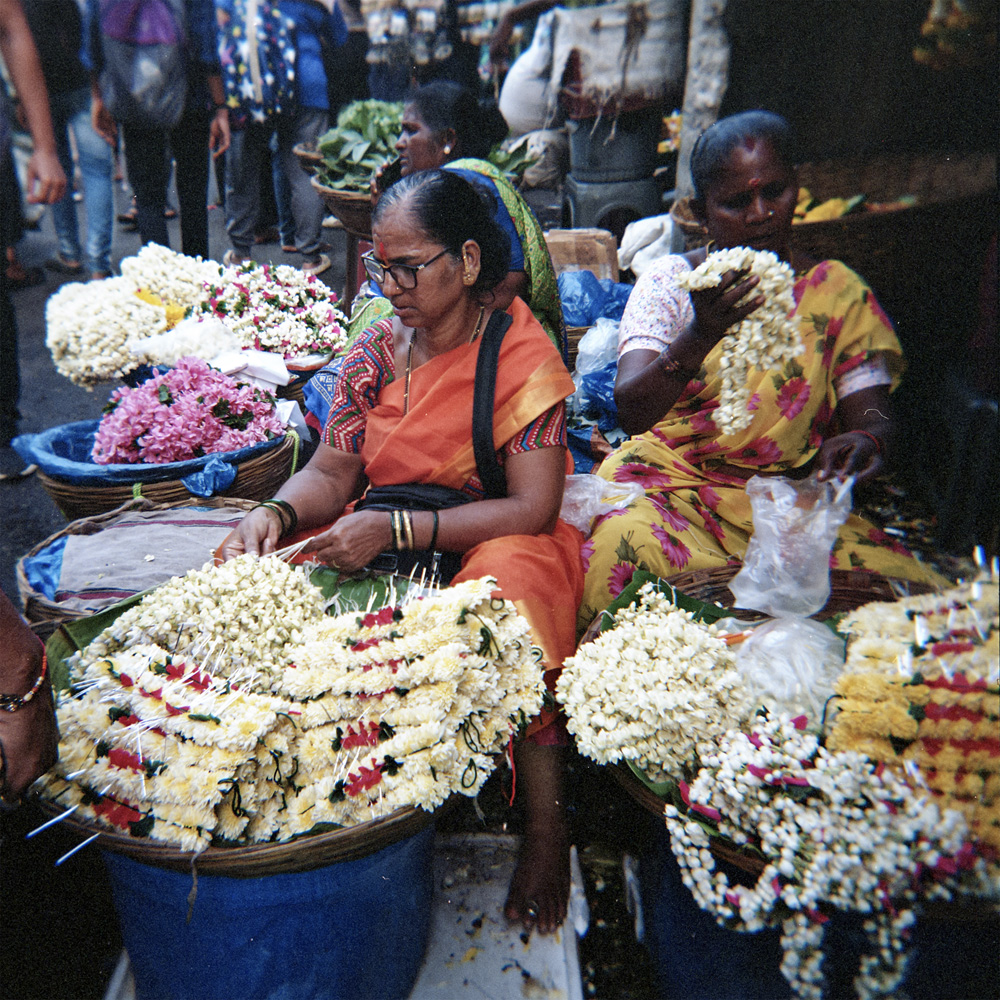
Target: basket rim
(300,854)
(141,503)
(347,196)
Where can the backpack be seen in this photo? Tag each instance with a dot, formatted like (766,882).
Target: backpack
(257,53)
(144,46)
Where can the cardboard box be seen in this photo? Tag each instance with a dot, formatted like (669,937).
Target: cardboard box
(583,250)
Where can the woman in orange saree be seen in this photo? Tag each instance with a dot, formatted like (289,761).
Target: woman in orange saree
(402,414)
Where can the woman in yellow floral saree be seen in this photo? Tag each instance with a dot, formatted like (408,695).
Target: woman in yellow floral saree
(826,410)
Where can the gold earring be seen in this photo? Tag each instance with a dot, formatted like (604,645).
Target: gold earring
(447,149)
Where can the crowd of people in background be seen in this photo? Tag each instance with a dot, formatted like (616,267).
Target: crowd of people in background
(232,111)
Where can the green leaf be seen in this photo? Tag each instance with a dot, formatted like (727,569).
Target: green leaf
(702,610)
(71,637)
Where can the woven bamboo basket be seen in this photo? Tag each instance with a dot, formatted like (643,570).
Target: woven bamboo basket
(256,479)
(849,589)
(256,860)
(574,334)
(309,159)
(45,615)
(353,208)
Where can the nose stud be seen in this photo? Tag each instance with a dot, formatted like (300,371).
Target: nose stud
(769,214)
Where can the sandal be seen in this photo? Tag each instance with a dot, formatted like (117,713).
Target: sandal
(61,265)
(19,276)
(316,266)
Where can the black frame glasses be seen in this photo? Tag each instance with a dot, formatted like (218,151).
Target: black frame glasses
(405,275)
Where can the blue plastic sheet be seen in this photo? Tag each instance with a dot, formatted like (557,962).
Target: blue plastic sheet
(585,298)
(42,570)
(64,453)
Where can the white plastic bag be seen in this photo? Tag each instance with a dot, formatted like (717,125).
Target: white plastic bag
(786,569)
(644,241)
(587,496)
(598,347)
(791,665)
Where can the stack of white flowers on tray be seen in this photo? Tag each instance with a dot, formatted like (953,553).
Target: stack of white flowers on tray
(174,277)
(652,688)
(238,617)
(885,636)
(278,308)
(833,830)
(226,708)
(765,339)
(88,327)
(407,705)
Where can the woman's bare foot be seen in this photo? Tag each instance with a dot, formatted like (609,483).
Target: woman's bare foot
(539,891)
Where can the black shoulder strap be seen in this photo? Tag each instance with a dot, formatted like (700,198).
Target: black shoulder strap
(491,473)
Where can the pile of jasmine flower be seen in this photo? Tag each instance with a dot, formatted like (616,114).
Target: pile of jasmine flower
(225,708)
(652,688)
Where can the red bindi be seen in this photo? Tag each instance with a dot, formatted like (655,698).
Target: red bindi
(754,182)
(381,249)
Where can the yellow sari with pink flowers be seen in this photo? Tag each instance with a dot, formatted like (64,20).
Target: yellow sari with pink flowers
(694,514)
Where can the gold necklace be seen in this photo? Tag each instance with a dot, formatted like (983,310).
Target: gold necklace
(409,359)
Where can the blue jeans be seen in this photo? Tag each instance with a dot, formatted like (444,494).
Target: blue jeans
(243,161)
(71,113)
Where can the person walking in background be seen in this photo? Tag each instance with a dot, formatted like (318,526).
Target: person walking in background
(203,125)
(57,28)
(46,182)
(316,25)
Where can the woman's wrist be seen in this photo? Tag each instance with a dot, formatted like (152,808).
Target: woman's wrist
(670,365)
(12,691)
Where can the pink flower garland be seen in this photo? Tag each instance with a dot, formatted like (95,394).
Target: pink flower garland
(190,411)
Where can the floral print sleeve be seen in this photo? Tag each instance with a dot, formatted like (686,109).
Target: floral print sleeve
(369,366)
(658,309)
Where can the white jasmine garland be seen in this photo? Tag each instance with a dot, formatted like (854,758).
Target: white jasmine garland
(765,339)
(652,688)
(835,832)
(88,327)
(176,278)
(186,740)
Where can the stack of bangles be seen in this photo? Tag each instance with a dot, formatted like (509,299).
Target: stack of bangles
(402,530)
(286,515)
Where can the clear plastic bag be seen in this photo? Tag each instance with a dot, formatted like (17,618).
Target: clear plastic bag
(791,662)
(598,347)
(786,569)
(586,497)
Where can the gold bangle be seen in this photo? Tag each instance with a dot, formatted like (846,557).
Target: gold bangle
(408,528)
(671,366)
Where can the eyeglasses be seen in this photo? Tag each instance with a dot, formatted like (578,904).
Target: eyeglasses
(405,275)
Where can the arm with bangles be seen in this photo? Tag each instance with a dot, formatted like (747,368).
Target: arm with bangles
(535,482)
(649,382)
(862,447)
(28,734)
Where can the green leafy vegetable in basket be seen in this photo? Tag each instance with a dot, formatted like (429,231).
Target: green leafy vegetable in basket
(365,137)
(361,141)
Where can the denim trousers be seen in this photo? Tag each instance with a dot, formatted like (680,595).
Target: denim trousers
(71,113)
(147,157)
(244,159)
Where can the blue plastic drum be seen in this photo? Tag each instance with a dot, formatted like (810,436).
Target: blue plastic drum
(355,929)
